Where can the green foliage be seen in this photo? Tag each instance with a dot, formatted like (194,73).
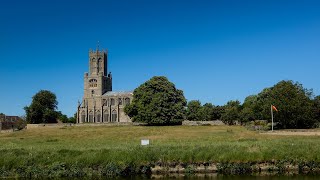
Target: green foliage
(72,120)
(194,110)
(296,109)
(316,102)
(62,117)
(217,112)
(207,112)
(157,102)
(232,112)
(43,108)
(249,110)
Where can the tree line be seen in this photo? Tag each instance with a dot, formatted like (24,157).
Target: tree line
(159,102)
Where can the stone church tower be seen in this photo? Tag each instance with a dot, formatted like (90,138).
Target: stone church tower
(100,104)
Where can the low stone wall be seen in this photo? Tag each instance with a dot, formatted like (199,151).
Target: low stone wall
(53,125)
(184,123)
(203,123)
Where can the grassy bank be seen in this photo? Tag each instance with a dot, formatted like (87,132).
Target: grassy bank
(105,150)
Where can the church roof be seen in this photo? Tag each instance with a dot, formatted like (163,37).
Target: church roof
(119,93)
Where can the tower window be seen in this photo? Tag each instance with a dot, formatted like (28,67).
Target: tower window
(120,101)
(127,101)
(93,83)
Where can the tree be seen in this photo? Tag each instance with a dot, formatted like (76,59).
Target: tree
(157,102)
(42,108)
(217,112)
(194,110)
(206,112)
(316,102)
(296,109)
(73,119)
(62,117)
(249,110)
(232,112)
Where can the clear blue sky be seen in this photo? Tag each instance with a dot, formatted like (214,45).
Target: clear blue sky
(214,51)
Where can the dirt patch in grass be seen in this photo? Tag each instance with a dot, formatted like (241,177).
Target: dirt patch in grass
(296,132)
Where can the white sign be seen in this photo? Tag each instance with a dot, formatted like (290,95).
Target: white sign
(144,142)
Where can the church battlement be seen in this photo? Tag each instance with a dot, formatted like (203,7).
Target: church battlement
(98,51)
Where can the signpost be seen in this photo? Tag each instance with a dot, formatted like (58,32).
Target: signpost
(145,142)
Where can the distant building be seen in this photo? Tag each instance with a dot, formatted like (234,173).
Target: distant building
(9,122)
(100,104)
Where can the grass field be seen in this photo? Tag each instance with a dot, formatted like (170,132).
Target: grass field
(87,146)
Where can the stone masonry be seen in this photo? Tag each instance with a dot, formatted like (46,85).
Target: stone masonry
(100,104)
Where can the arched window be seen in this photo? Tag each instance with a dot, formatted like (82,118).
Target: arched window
(93,65)
(112,102)
(93,83)
(105,102)
(100,64)
(83,117)
(114,116)
(106,116)
(127,101)
(98,116)
(91,116)
(120,101)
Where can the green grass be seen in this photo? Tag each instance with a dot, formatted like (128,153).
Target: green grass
(90,147)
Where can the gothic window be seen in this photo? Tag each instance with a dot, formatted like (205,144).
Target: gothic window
(98,116)
(93,65)
(127,101)
(100,64)
(120,101)
(91,116)
(106,116)
(112,102)
(83,116)
(105,102)
(93,83)
(114,116)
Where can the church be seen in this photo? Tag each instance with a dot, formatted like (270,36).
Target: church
(100,104)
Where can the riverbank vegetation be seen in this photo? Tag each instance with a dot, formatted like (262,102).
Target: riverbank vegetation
(116,150)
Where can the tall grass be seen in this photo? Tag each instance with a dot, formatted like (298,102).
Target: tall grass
(75,151)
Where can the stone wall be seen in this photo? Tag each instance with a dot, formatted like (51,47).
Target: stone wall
(203,123)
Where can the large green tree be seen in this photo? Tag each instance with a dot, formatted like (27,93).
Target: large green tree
(295,105)
(157,102)
(42,108)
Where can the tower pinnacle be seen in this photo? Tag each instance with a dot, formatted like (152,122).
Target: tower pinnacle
(98,46)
